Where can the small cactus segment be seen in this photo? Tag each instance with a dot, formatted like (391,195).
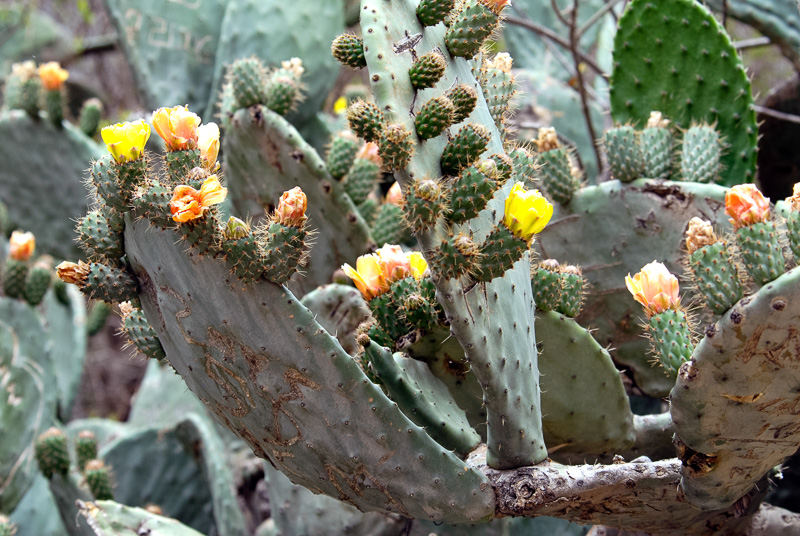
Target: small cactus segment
(555,167)
(52,454)
(712,266)
(284,237)
(140,333)
(98,478)
(17,265)
(246,78)
(427,70)
(390,226)
(104,180)
(657,290)
(434,117)
(656,141)
(464,99)
(97,238)
(432,12)
(348,49)
(498,86)
(53,77)
(283,88)
(242,251)
(456,257)
(396,146)
(523,166)
(624,152)
(546,283)
(471,192)
(793,221)
(38,281)
(570,299)
(85,448)
(90,115)
(471,24)
(341,154)
(23,88)
(756,235)
(424,203)
(700,154)
(98,281)
(465,148)
(676,57)
(361,180)
(423,398)
(366,120)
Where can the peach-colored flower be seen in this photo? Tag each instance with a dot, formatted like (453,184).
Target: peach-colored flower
(369,151)
(655,288)
(746,205)
(126,141)
(189,204)
(208,142)
(291,209)
(177,126)
(74,274)
(395,195)
(52,75)
(394,263)
(21,246)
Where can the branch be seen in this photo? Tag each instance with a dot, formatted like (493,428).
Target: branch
(597,15)
(763,110)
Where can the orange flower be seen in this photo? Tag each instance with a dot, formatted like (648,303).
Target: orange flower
(52,75)
(395,195)
(394,263)
(655,288)
(746,205)
(208,142)
(189,204)
(291,209)
(177,126)
(21,246)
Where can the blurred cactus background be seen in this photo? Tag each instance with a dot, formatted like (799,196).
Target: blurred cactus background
(384,267)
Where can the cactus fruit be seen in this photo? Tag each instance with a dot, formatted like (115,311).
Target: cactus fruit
(341,154)
(424,203)
(38,281)
(570,299)
(366,120)
(396,147)
(465,148)
(246,78)
(464,99)
(348,50)
(361,179)
(624,151)
(546,285)
(433,118)
(89,119)
(470,25)
(139,332)
(427,70)
(700,154)
(85,448)
(51,453)
(98,478)
(656,140)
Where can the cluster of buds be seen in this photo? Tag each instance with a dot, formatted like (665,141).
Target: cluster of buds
(374,273)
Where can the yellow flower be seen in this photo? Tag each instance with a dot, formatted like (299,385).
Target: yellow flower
(52,75)
(340,106)
(21,246)
(291,209)
(418,264)
(126,141)
(189,204)
(527,212)
(746,205)
(655,288)
(177,127)
(367,276)
(208,142)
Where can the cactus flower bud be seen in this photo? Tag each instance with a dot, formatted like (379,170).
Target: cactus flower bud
(794,200)
(527,212)
(746,205)
(395,195)
(189,204)
(21,246)
(126,141)
(700,233)
(657,120)
(369,151)
(236,229)
(291,209)
(52,75)
(547,140)
(177,127)
(655,288)
(74,274)
(208,142)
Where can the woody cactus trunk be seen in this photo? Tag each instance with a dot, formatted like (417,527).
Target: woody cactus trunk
(461,402)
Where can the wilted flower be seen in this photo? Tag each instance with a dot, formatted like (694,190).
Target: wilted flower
(527,212)
(177,126)
(188,204)
(547,140)
(746,205)
(655,288)
(74,274)
(21,246)
(126,141)
(794,200)
(700,233)
(208,142)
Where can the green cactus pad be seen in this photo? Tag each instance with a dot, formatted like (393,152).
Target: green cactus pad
(761,252)
(104,181)
(624,153)
(37,283)
(571,298)
(700,154)
(52,453)
(427,70)
(424,399)
(423,204)
(203,233)
(85,448)
(395,147)
(245,257)
(129,176)
(340,309)
(464,99)
(284,251)
(729,403)
(465,148)
(470,194)
(793,232)
(89,119)
(247,78)
(524,167)
(14,275)
(434,117)
(716,277)
(114,518)
(109,284)
(672,340)
(469,27)
(389,226)
(98,240)
(262,143)
(141,335)
(153,204)
(546,284)
(341,155)
(499,252)
(54,106)
(675,57)
(315,380)
(361,179)
(556,175)
(499,88)
(98,478)
(574,368)
(348,49)
(456,257)
(366,120)
(432,12)
(283,93)
(179,165)
(657,152)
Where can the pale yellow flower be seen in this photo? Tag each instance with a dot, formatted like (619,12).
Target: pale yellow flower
(177,126)
(126,141)
(208,142)
(655,288)
(367,276)
(527,212)
(189,204)
(418,264)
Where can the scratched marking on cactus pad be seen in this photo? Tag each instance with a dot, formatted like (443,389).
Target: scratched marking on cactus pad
(775,350)
(356,483)
(162,33)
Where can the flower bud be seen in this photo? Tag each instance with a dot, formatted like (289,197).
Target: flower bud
(291,209)
(21,246)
